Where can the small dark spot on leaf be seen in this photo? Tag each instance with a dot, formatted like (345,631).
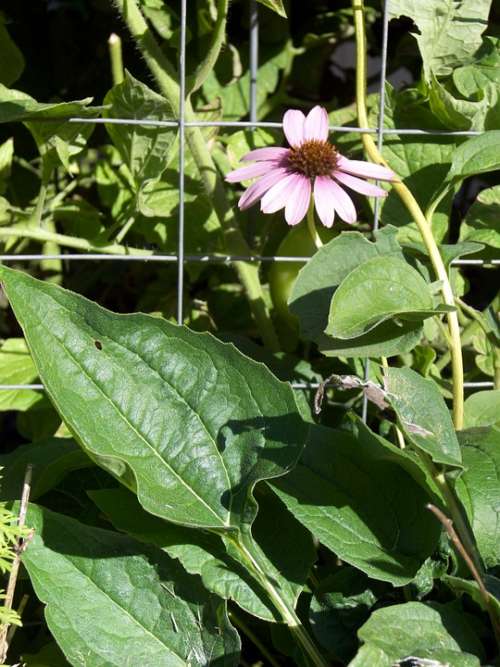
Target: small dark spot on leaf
(98,344)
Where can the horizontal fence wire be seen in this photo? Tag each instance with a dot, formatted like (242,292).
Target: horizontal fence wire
(253,124)
(295,385)
(146,255)
(207,259)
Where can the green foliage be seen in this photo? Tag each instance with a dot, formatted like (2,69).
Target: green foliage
(181,481)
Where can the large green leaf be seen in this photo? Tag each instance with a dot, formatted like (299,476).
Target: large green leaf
(111,601)
(449,31)
(205,554)
(187,422)
(316,284)
(355,493)
(423,415)
(436,633)
(376,290)
(145,149)
(318,279)
(479,489)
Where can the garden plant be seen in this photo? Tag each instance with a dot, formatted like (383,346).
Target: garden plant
(249,369)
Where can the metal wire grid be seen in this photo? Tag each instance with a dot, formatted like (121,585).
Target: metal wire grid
(181,258)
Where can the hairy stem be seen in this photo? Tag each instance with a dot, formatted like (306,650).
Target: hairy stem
(166,78)
(422,222)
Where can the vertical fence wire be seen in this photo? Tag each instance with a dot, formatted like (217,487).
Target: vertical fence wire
(253,60)
(380,142)
(182,156)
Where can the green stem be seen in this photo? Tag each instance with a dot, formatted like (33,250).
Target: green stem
(40,204)
(115,56)
(288,614)
(125,229)
(311,226)
(165,76)
(422,222)
(75,242)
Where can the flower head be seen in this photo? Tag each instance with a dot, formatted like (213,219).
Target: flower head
(287,177)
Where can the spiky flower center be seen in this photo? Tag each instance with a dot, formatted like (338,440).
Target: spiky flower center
(313,158)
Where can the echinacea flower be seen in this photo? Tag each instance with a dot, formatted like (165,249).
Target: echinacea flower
(287,177)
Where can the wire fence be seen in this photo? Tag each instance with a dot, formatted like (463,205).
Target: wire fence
(181,258)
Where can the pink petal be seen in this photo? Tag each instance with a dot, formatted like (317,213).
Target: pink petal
(343,204)
(277,197)
(316,125)
(366,169)
(293,126)
(252,195)
(271,153)
(252,171)
(359,185)
(324,200)
(299,200)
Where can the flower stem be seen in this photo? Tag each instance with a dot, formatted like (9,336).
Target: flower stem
(422,222)
(311,226)
(166,78)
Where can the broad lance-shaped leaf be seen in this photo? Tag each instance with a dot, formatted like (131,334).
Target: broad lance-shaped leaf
(479,489)
(112,601)
(187,422)
(423,415)
(318,279)
(316,284)
(356,494)
(437,633)
(448,31)
(378,289)
(289,559)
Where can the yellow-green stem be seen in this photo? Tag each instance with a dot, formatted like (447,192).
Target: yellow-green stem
(418,216)
(311,226)
(166,78)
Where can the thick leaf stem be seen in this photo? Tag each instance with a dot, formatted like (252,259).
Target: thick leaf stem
(166,78)
(288,614)
(422,222)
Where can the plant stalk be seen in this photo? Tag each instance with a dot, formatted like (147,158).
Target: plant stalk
(166,78)
(288,614)
(414,209)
